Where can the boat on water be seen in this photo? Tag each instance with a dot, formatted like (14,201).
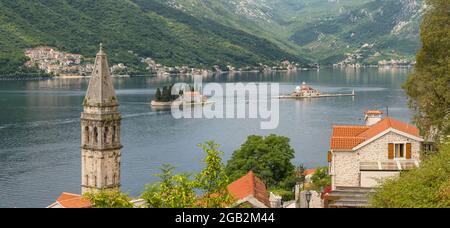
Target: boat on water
(306,91)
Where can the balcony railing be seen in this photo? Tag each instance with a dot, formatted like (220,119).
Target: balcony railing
(389,165)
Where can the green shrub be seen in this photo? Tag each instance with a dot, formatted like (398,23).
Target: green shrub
(321,179)
(268,157)
(424,187)
(109,199)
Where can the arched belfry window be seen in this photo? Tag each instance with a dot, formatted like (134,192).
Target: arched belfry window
(105,135)
(114,134)
(95,135)
(86,135)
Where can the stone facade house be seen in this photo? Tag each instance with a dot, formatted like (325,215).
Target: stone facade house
(363,156)
(309,173)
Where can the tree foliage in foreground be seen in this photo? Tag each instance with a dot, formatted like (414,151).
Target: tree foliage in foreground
(109,199)
(429,86)
(424,187)
(212,180)
(207,189)
(320,179)
(180,190)
(172,191)
(268,157)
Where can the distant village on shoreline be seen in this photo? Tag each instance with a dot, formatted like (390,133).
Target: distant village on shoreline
(63,64)
(58,63)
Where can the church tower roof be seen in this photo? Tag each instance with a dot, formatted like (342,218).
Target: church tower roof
(101,91)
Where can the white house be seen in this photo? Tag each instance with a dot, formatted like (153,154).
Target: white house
(362,156)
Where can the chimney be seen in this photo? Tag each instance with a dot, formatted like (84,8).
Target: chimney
(372,117)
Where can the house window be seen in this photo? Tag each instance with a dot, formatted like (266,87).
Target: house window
(400,151)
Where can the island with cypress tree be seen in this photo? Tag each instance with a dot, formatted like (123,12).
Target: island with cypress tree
(164,98)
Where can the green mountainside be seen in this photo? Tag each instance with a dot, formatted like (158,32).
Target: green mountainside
(130,29)
(203,33)
(388,29)
(327,31)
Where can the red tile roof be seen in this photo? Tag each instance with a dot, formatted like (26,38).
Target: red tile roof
(345,143)
(69,200)
(390,123)
(348,131)
(374,112)
(348,137)
(250,185)
(309,172)
(192,94)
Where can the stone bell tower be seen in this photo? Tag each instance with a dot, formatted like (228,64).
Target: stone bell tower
(100,131)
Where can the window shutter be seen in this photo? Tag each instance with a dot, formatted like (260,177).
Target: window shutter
(408,151)
(391,151)
(329,157)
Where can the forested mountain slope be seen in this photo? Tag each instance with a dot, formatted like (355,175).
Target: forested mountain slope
(129,29)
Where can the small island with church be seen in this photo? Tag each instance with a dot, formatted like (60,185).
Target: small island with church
(306,91)
(165,99)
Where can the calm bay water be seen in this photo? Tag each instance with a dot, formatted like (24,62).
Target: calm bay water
(40,133)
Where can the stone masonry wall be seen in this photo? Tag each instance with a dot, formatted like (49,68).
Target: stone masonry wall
(345,165)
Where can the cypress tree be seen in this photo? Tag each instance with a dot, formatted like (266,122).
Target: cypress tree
(158,95)
(165,98)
